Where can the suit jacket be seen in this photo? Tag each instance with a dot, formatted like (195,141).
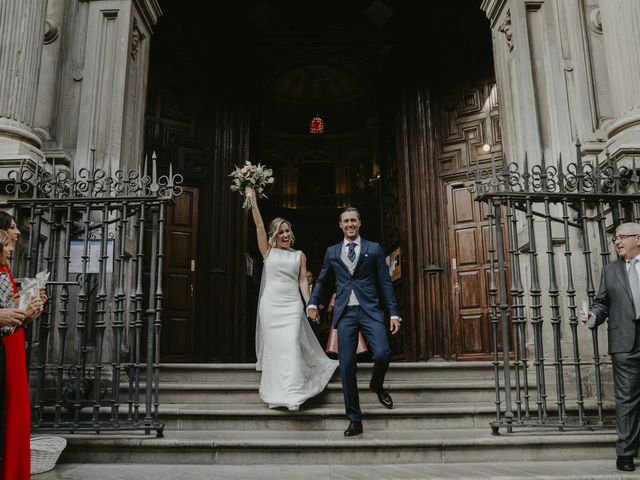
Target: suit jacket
(369,281)
(615,302)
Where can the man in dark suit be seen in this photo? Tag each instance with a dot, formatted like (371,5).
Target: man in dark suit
(361,275)
(618,299)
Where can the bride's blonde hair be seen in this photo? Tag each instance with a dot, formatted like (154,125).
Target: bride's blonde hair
(274,226)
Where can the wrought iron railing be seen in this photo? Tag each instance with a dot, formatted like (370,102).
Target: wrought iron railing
(96,348)
(543,222)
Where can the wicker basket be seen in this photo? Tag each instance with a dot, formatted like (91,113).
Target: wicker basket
(45,452)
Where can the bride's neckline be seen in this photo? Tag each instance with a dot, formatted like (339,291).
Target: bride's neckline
(283,250)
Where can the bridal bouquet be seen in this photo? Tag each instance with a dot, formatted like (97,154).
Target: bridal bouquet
(252,176)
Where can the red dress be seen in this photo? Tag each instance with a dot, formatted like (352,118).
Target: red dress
(16,461)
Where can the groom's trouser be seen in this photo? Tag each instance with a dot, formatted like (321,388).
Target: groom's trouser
(352,320)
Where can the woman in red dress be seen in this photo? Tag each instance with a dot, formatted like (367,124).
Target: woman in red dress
(17,412)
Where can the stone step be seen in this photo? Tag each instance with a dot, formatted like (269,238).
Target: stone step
(325,418)
(309,418)
(244,417)
(246,372)
(402,391)
(286,447)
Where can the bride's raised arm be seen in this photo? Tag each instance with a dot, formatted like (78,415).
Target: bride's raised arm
(261,233)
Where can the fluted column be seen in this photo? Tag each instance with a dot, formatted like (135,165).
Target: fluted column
(621,35)
(21,35)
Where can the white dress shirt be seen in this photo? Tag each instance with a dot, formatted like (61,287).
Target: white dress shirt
(637,265)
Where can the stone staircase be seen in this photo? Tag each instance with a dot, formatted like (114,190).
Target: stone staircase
(213,415)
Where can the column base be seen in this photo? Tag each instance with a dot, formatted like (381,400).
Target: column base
(17,144)
(624,135)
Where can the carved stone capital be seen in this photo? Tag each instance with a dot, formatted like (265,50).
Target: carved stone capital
(136,38)
(506,29)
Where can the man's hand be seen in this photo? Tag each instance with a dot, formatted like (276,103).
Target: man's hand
(584,317)
(11,317)
(395,326)
(312,313)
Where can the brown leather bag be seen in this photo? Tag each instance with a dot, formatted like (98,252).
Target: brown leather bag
(332,343)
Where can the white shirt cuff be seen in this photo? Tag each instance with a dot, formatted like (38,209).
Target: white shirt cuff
(311,306)
(394,317)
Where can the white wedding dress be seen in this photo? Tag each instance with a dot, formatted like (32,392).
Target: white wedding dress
(293,364)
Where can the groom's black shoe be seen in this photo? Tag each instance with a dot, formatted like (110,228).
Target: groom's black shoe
(384,398)
(354,428)
(624,463)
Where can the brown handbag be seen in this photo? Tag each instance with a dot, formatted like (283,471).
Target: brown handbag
(332,343)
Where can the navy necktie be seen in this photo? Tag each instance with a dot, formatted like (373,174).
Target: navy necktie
(351,254)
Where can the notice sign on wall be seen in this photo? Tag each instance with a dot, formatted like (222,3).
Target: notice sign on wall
(93,253)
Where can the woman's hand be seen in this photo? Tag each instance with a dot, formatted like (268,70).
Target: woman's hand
(11,317)
(249,192)
(35,308)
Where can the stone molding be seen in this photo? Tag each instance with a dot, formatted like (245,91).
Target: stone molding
(149,11)
(493,9)
(50,31)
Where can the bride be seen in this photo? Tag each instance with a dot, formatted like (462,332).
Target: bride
(294,366)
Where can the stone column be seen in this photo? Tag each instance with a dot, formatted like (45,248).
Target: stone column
(22,25)
(620,20)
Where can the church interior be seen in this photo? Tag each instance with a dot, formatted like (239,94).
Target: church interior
(384,105)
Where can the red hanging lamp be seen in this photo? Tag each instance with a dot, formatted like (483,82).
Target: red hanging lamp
(316,125)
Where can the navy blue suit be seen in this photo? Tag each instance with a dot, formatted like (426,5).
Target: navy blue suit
(369,281)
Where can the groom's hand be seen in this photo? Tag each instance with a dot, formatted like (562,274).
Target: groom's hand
(395,326)
(312,313)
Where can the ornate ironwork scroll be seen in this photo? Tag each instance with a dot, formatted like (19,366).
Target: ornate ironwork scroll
(96,348)
(555,219)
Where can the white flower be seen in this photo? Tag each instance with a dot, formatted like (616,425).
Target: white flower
(252,176)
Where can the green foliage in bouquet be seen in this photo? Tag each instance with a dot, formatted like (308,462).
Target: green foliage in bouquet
(256,177)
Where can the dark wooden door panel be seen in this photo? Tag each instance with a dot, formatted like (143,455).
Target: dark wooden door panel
(470,296)
(473,332)
(468,249)
(178,328)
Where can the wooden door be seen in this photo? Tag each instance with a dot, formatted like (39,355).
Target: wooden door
(468,253)
(180,289)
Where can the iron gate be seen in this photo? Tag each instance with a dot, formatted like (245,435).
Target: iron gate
(553,224)
(96,348)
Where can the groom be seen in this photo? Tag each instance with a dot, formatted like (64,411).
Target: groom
(360,272)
